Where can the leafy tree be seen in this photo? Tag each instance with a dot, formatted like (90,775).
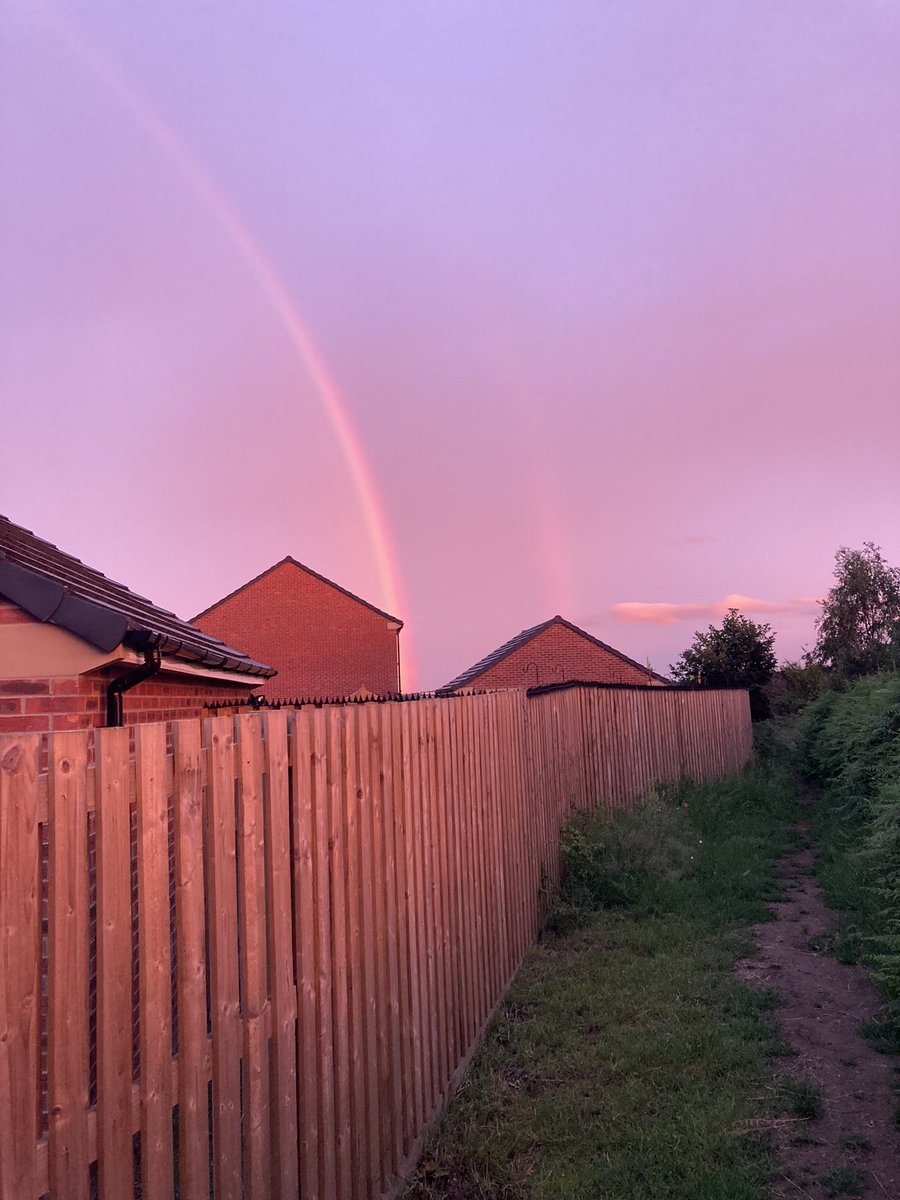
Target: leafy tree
(739,654)
(858,632)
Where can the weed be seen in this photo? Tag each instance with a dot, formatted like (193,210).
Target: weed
(821,943)
(855,1141)
(801,1099)
(844,1181)
(849,946)
(883,1031)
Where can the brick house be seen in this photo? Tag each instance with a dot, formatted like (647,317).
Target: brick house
(555,651)
(78,650)
(323,640)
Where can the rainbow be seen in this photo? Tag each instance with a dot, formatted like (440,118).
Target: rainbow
(279,298)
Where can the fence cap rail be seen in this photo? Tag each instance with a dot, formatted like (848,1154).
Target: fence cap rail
(542,688)
(259,703)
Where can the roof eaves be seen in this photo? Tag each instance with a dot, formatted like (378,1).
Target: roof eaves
(140,639)
(57,588)
(51,603)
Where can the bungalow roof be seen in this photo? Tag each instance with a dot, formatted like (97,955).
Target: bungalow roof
(58,588)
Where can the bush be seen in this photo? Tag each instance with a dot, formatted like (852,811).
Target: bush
(703,848)
(613,862)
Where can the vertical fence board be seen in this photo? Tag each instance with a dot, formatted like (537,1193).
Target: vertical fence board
(472,848)
(473,852)
(392,1098)
(353,800)
(114,1032)
(154,962)
(518,861)
(279,929)
(531,881)
(310,926)
(505,835)
(429,1004)
(534,881)
(463,900)
(369,931)
(320,801)
(190,916)
(433,807)
(254,967)
(67,1016)
(495,867)
(223,960)
(405,1059)
(378,737)
(20,928)
(521,865)
(416,904)
(340,949)
(479,843)
(450,875)
(461,843)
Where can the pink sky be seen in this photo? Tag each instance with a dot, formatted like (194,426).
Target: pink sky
(487,311)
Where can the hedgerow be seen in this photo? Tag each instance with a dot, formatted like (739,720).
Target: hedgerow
(850,745)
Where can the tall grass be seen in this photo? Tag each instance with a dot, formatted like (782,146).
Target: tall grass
(850,745)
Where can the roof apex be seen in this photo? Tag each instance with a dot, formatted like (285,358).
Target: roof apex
(290,560)
(522,639)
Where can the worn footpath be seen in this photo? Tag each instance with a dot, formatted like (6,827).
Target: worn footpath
(853,1146)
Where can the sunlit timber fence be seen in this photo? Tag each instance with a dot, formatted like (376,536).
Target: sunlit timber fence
(249,957)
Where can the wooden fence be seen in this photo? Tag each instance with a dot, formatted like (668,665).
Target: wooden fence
(323,908)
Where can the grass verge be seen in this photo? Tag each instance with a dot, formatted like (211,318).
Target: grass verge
(626,1062)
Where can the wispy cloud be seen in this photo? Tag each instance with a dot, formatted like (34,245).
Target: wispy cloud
(699,539)
(632,611)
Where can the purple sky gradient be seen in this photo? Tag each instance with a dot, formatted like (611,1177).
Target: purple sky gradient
(611,293)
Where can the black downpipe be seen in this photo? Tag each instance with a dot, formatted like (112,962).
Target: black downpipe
(115,705)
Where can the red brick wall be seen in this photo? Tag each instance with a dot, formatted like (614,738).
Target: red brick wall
(558,655)
(322,642)
(79,702)
(11,614)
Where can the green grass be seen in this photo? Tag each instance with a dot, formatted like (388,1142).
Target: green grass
(626,1062)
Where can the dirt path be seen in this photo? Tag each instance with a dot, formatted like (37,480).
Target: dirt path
(854,1145)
